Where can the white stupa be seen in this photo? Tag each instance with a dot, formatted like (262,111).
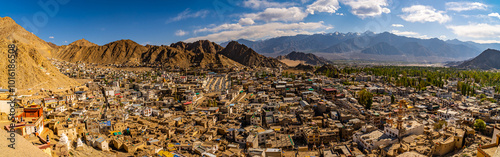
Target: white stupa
(64,141)
(79,143)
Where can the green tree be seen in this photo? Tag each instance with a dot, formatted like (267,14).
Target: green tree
(440,124)
(365,98)
(327,73)
(479,124)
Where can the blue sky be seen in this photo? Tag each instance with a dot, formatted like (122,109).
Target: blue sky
(164,22)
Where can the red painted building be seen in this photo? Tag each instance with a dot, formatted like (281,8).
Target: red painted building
(32,117)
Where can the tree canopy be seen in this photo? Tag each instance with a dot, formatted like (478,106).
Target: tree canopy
(365,98)
(479,124)
(420,77)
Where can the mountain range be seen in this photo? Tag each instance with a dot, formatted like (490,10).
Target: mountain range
(487,60)
(201,53)
(34,70)
(307,58)
(368,44)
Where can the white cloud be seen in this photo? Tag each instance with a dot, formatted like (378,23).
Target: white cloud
(397,25)
(328,6)
(487,41)
(442,37)
(260,4)
(465,6)
(226,26)
(475,16)
(268,30)
(246,21)
(494,15)
(421,13)
(188,14)
(404,33)
(481,30)
(51,37)
(304,1)
(367,8)
(339,14)
(278,14)
(409,34)
(180,33)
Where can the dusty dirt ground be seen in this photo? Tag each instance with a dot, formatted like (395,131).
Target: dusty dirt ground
(292,63)
(22,146)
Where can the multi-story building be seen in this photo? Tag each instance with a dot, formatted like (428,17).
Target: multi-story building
(373,139)
(410,128)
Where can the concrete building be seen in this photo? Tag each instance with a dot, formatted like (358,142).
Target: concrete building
(373,139)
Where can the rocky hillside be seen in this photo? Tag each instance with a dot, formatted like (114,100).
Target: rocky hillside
(308,58)
(248,57)
(304,67)
(33,69)
(52,45)
(488,59)
(201,46)
(328,68)
(202,53)
(82,42)
(10,30)
(118,52)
